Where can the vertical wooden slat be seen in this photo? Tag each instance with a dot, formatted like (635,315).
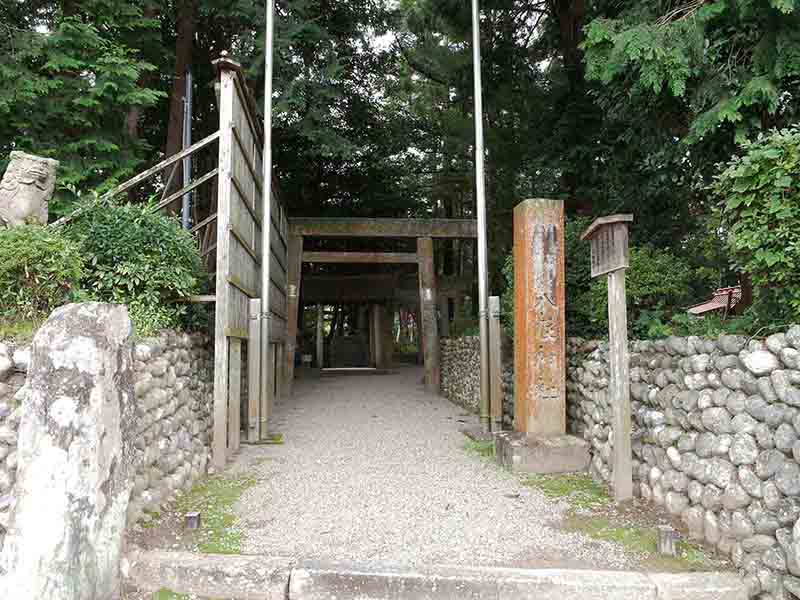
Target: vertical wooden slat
(495,364)
(220,442)
(235,396)
(427,300)
(295,260)
(254,372)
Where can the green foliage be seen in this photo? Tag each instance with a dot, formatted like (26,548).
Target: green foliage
(657,280)
(214,498)
(759,194)
(464,324)
(138,257)
(39,270)
(70,75)
(731,61)
(579,489)
(656,324)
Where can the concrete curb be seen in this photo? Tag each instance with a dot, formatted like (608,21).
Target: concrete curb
(343,581)
(255,577)
(245,577)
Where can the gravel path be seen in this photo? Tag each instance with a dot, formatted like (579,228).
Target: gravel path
(374,468)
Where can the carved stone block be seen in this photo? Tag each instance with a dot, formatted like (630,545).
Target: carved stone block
(26,189)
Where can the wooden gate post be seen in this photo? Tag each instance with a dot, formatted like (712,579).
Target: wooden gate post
(609,241)
(495,364)
(427,300)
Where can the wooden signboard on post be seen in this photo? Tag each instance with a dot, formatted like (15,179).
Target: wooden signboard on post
(609,240)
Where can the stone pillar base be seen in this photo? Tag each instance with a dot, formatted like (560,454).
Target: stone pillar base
(521,453)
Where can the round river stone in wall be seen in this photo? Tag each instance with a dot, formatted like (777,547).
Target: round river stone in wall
(760,362)
(787,478)
(743,450)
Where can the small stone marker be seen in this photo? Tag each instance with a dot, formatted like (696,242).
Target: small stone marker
(667,543)
(609,241)
(192,520)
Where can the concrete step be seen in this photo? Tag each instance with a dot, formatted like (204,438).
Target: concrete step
(254,577)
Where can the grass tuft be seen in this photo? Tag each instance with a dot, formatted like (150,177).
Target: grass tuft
(642,541)
(165,594)
(18,331)
(485,449)
(580,490)
(214,498)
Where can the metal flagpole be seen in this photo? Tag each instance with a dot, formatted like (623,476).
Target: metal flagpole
(266,387)
(187,141)
(480,189)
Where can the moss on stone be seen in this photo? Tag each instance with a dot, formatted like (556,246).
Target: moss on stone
(214,498)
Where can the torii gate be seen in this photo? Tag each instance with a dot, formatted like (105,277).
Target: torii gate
(424,230)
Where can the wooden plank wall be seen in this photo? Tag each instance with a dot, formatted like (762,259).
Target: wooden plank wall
(239,259)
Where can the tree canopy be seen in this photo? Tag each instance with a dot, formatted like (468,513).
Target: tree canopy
(616,106)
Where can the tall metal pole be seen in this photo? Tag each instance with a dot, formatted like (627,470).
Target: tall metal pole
(266,386)
(480,189)
(187,141)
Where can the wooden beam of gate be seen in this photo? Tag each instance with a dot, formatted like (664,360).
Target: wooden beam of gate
(344,227)
(360,257)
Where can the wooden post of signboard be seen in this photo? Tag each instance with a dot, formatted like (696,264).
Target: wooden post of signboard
(609,241)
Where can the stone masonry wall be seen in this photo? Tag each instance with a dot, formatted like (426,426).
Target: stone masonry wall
(715,442)
(461,371)
(716,437)
(174,377)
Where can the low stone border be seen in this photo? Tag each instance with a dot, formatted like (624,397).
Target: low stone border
(257,577)
(252,577)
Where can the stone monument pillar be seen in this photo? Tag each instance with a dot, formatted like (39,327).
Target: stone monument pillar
(539,325)
(26,189)
(75,472)
(540,443)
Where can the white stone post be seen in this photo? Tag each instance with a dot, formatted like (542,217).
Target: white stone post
(75,455)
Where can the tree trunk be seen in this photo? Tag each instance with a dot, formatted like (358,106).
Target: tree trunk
(183,60)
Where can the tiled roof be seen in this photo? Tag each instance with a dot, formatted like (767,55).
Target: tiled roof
(724,298)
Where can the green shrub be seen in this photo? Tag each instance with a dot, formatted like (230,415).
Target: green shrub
(759,196)
(39,270)
(658,286)
(657,281)
(138,257)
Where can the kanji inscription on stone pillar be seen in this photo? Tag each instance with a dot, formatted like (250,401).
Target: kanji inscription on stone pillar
(539,326)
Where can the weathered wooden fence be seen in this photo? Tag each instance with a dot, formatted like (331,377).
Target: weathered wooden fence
(246,320)
(244,312)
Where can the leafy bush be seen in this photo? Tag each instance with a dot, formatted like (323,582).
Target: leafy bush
(657,283)
(656,280)
(759,196)
(39,270)
(138,257)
